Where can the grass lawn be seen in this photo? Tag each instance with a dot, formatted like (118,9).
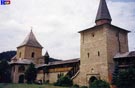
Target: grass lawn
(3,85)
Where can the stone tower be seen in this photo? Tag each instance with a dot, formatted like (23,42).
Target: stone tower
(30,48)
(99,44)
(28,52)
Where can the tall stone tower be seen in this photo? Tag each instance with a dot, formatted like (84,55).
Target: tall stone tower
(99,44)
(30,48)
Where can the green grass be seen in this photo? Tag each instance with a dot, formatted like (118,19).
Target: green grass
(3,85)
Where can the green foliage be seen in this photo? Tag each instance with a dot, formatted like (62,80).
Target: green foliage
(83,87)
(7,55)
(47,82)
(31,73)
(64,81)
(115,74)
(126,78)
(75,86)
(99,84)
(5,85)
(46,69)
(5,72)
(60,75)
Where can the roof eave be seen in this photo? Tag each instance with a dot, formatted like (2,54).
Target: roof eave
(30,46)
(102,25)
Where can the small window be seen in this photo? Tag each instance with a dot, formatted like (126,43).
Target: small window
(33,54)
(98,53)
(88,55)
(20,55)
(92,34)
(92,70)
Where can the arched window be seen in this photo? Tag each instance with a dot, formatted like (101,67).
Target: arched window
(33,55)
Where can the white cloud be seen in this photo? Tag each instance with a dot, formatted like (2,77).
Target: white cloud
(56,23)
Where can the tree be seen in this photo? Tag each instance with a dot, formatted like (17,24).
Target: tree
(31,73)
(126,79)
(46,71)
(7,55)
(115,74)
(64,81)
(5,72)
(99,84)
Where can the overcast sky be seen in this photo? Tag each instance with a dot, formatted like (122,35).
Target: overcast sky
(56,23)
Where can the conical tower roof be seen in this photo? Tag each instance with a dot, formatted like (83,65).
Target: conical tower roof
(46,54)
(103,12)
(31,40)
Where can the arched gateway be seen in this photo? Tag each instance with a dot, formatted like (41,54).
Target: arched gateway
(21,79)
(92,79)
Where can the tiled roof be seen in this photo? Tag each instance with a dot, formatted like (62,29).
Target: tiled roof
(96,26)
(59,62)
(125,55)
(30,40)
(64,62)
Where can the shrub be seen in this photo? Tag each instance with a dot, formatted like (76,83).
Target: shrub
(83,87)
(75,86)
(47,82)
(64,81)
(5,72)
(99,84)
(31,73)
(115,75)
(126,78)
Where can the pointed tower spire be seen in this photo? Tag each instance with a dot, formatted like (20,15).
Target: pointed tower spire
(46,58)
(103,14)
(31,28)
(31,40)
(46,54)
